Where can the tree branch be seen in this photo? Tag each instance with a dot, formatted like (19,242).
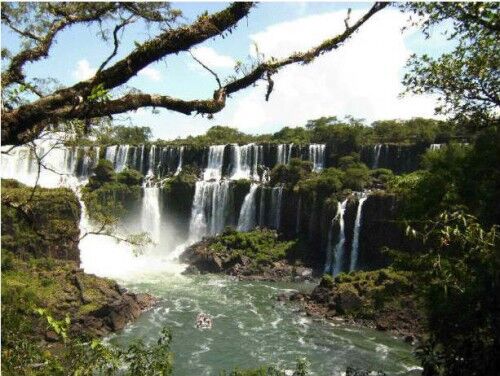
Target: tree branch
(24,123)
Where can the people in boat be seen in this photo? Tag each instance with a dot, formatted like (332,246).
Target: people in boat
(203,321)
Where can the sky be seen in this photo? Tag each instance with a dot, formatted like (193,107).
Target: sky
(362,78)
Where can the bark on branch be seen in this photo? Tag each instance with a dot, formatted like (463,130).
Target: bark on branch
(25,123)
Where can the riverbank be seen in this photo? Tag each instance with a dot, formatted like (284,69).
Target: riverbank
(383,299)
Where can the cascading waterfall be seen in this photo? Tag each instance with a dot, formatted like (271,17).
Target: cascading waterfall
(357,228)
(283,153)
(211,198)
(246,221)
(110,154)
(376,152)
(121,158)
(209,210)
(436,146)
(179,166)
(150,213)
(152,161)
(317,156)
(339,247)
(214,165)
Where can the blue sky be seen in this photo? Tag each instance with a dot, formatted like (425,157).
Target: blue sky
(361,78)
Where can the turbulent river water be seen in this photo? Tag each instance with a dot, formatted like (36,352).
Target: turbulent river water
(250,327)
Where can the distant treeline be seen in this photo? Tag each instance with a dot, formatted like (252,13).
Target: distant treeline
(349,131)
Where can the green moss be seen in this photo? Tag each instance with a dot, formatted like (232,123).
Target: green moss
(262,247)
(40,222)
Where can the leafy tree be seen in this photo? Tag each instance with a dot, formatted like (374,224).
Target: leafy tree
(458,278)
(38,24)
(466,80)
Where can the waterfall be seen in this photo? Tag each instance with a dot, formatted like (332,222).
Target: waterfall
(214,166)
(246,221)
(436,146)
(121,158)
(209,209)
(283,153)
(150,213)
(97,156)
(59,164)
(110,154)
(376,152)
(258,159)
(317,156)
(276,196)
(86,163)
(357,229)
(152,161)
(339,248)
(179,166)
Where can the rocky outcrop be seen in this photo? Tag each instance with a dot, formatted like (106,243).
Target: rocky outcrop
(41,222)
(382,299)
(40,267)
(207,256)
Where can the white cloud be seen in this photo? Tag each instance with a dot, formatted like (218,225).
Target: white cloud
(211,58)
(83,70)
(361,78)
(151,73)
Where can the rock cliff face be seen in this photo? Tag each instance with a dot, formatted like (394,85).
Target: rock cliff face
(40,258)
(399,158)
(41,222)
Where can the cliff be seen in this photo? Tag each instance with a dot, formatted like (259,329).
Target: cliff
(40,270)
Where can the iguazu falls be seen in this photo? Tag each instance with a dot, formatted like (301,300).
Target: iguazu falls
(242,189)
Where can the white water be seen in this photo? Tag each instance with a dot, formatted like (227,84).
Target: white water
(214,165)
(110,154)
(150,212)
(357,229)
(121,158)
(376,151)
(317,156)
(339,248)
(99,254)
(246,221)
(179,166)
(282,153)
(209,210)
(436,146)
(244,160)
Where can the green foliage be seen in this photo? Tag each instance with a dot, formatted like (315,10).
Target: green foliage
(456,276)
(466,79)
(292,173)
(39,222)
(262,246)
(301,369)
(38,296)
(109,195)
(455,176)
